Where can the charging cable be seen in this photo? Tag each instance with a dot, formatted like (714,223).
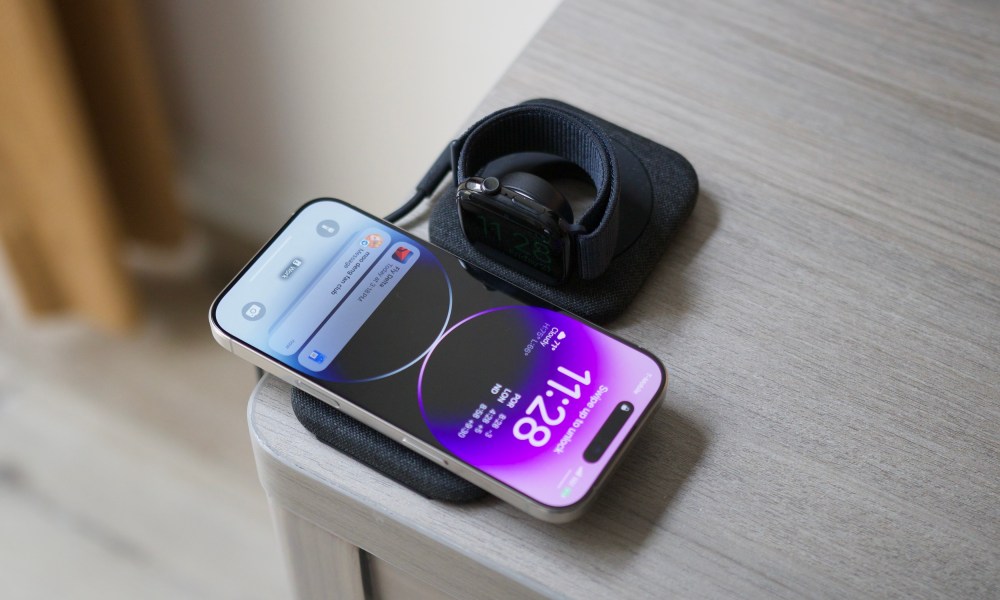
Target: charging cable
(426,187)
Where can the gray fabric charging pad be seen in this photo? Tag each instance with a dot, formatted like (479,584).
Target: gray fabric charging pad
(379,452)
(659,191)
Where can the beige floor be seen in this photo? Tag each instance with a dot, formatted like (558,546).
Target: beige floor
(125,467)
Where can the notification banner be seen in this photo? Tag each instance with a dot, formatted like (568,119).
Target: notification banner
(328,291)
(371,289)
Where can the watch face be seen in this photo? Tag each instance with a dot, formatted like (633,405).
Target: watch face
(530,243)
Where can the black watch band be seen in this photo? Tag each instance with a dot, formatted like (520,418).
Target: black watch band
(541,128)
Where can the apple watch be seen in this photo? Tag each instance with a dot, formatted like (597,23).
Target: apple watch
(520,219)
(523,223)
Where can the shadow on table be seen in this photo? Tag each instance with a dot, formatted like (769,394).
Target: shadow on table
(671,291)
(646,482)
(682,250)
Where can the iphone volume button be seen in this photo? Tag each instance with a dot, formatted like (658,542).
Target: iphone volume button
(425,452)
(311,388)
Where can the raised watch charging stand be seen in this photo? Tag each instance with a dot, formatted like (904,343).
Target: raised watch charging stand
(656,190)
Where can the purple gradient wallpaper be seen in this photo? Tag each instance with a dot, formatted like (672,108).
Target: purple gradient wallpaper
(535,387)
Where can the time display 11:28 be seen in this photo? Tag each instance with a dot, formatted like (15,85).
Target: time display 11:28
(529,429)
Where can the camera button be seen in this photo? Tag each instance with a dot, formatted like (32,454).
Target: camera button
(419,449)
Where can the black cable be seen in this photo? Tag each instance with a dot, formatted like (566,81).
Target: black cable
(426,187)
(407,207)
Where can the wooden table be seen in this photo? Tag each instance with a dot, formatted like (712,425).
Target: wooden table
(830,317)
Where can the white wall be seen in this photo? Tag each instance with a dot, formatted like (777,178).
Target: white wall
(275,103)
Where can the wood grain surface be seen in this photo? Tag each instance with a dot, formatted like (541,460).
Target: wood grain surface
(830,317)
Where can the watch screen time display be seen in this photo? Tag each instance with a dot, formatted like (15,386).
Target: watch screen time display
(522,243)
(525,393)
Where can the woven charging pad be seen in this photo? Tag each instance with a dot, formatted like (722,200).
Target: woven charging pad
(379,452)
(673,183)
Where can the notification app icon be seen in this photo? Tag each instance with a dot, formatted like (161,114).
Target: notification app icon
(402,254)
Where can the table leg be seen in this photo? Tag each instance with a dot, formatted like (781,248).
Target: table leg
(320,564)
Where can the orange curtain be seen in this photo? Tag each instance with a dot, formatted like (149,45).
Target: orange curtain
(85,160)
